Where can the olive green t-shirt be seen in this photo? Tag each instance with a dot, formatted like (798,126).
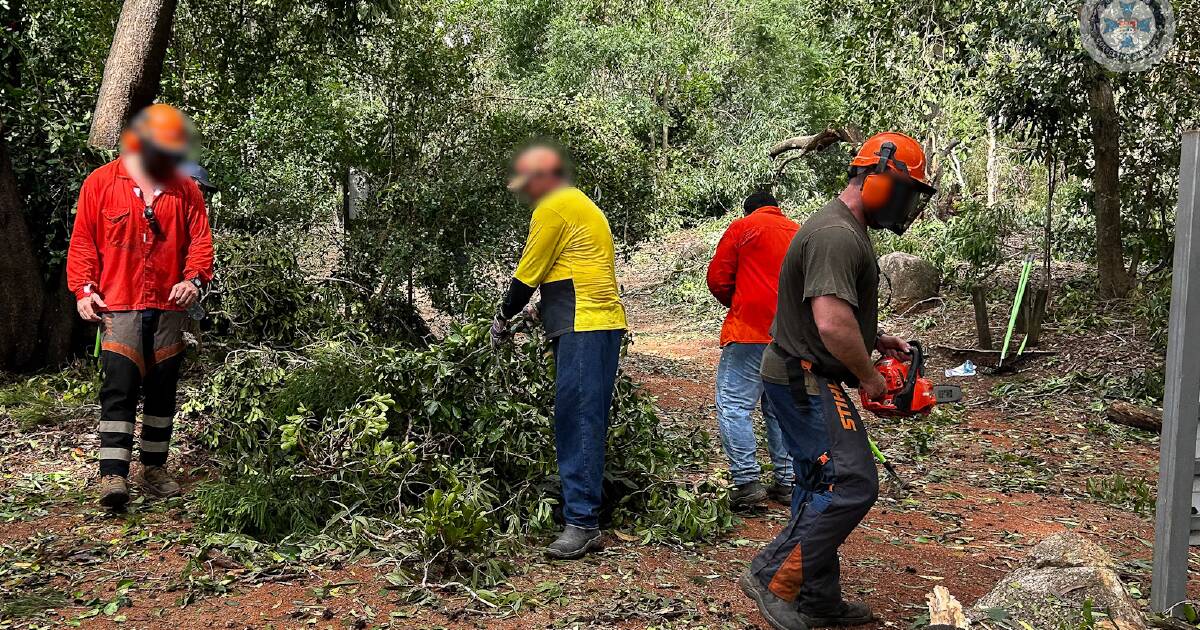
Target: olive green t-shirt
(830,255)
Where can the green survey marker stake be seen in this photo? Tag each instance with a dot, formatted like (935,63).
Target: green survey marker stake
(96,349)
(1016,308)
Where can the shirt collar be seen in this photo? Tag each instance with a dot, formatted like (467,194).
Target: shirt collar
(768,210)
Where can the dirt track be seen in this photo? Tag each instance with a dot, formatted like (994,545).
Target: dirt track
(988,481)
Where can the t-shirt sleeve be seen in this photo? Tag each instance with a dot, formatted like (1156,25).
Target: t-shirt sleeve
(832,262)
(547,239)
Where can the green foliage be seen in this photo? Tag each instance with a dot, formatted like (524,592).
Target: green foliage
(51,398)
(442,452)
(1123,492)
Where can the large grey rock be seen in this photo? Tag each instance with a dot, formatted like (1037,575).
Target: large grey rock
(913,279)
(1050,587)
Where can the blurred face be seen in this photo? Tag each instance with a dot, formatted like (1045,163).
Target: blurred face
(161,165)
(537,171)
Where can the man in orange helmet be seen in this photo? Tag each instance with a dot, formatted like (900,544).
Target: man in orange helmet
(824,331)
(139,254)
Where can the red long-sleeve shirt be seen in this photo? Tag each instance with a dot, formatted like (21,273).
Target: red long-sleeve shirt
(114,249)
(744,273)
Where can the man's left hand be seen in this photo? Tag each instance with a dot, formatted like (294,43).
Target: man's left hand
(892,346)
(184,294)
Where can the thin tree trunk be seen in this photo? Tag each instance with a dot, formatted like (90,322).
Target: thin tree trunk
(993,166)
(1106,183)
(20,275)
(133,69)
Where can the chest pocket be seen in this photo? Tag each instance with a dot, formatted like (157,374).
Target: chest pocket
(118,226)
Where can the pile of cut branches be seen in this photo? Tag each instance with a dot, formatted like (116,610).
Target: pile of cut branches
(443,452)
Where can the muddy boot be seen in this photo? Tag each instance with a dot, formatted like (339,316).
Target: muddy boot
(156,481)
(781,614)
(574,543)
(114,494)
(841,614)
(748,495)
(781,493)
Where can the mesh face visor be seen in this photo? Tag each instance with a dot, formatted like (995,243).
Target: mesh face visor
(915,199)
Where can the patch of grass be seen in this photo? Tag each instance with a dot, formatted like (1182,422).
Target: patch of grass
(1123,492)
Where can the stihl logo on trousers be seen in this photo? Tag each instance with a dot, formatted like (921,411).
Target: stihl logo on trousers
(845,413)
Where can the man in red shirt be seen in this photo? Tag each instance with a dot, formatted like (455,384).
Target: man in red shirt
(744,276)
(139,254)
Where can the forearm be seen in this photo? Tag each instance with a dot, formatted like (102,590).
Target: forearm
(515,299)
(844,341)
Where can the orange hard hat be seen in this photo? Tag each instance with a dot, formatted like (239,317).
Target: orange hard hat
(907,157)
(162,127)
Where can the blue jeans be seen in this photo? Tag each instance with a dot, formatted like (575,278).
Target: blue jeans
(805,438)
(585,373)
(739,391)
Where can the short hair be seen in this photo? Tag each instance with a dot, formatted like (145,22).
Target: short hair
(759,199)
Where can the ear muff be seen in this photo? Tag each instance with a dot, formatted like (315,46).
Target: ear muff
(130,141)
(877,187)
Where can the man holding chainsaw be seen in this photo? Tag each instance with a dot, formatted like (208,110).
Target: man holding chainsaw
(139,253)
(825,328)
(569,256)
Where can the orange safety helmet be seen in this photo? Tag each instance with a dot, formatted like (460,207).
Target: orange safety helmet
(896,184)
(162,128)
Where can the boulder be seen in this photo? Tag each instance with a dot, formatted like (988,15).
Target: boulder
(1052,585)
(912,278)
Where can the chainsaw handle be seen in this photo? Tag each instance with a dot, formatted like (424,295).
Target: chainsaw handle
(915,369)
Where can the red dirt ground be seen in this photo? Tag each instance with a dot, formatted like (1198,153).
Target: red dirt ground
(968,517)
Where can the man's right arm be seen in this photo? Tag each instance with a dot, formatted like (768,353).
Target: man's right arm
(83,256)
(831,273)
(722,271)
(841,335)
(546,240)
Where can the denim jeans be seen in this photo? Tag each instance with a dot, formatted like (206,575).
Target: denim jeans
(739,391)
(585,373)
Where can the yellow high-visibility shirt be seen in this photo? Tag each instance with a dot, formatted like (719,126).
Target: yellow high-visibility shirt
(569,254)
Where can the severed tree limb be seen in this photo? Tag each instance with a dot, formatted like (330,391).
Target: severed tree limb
(1136,416)
(818,141)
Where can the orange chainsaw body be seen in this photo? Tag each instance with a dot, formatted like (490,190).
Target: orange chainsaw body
(909,393)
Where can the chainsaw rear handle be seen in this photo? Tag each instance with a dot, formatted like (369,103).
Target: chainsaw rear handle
(904,397)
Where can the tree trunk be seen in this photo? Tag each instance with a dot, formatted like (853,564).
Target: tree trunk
(20,275)
(1106,184)
(993,165)
(133,69)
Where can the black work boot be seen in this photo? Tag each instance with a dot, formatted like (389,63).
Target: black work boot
(748,495)
(574,543)
(840,614)
(781,492)
(781,614)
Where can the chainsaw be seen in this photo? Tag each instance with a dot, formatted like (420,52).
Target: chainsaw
(909,393)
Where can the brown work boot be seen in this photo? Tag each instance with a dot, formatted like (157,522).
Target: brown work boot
(157,481)
(114,494)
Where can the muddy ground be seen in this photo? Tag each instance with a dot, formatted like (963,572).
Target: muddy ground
(1025,456)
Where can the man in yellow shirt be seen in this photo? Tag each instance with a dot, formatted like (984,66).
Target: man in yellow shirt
(569,256)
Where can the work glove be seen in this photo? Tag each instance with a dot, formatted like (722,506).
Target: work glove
(530,313)
(499,330)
